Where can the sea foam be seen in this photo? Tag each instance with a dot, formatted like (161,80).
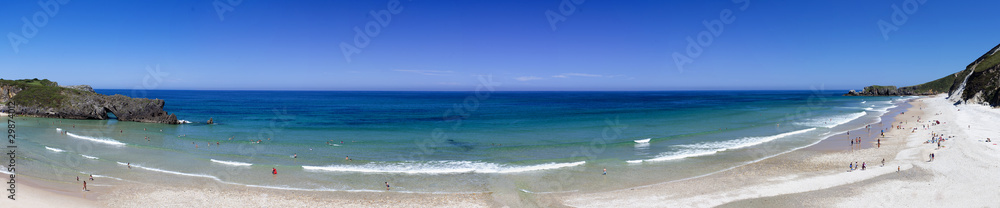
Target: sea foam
(709,148)
(99,140)
(54,149)
(832,121)
(173,172)
(230,163)
(439,167)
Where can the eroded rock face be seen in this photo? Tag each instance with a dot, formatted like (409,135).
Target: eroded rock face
(86,88)
(89,105)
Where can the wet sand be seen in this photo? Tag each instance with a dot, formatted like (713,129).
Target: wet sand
(817,177)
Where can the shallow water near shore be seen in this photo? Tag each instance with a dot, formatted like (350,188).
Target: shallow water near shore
(443,141)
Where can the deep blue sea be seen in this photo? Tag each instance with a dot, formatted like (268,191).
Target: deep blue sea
(446,141)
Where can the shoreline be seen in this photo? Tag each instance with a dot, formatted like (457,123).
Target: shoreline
(819,178)
(798,165)
(805,171)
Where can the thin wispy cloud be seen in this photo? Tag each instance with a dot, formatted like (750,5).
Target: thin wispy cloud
(527,78)
(426,72)
(567,75)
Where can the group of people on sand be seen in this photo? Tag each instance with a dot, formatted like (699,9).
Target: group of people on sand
(856,141)
(855,166)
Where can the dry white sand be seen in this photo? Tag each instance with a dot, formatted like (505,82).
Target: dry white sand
(28,196)
(964,173)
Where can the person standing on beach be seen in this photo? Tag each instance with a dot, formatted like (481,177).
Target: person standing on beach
(91,177)
(850,166)
(386,185)
(85,186)
(862,166)
(605,171)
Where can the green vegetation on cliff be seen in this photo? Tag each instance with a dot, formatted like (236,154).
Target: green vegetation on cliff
(40,92)
(981,79)
(35,92)
(988,61)
(941,85)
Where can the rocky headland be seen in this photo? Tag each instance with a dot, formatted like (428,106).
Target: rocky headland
(44,98)
(978,83)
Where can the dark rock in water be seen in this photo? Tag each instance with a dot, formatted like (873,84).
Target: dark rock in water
(210,121)
(80,102)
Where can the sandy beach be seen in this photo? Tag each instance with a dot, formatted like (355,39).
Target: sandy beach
(960,175)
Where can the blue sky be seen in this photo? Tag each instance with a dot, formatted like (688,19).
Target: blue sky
(446,45)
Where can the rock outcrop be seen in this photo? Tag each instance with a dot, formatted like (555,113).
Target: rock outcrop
(979,83)
(876,90)
(86,88)
(80,102)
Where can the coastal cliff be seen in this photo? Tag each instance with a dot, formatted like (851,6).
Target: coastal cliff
(978,83)
(43,98)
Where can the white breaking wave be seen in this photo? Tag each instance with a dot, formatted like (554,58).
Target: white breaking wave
(832,121)
(883,110)
(708,148)
(103,176)
(4,170)
(54,149)
(90,157)
(230,162)
(439,167)
(642,140)
(183,121)
(173,172)
(100,140)
(58,129)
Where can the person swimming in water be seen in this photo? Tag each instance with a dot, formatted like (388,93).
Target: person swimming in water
(274,171)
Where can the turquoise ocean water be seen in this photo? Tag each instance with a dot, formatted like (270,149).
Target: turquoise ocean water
(442,141)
